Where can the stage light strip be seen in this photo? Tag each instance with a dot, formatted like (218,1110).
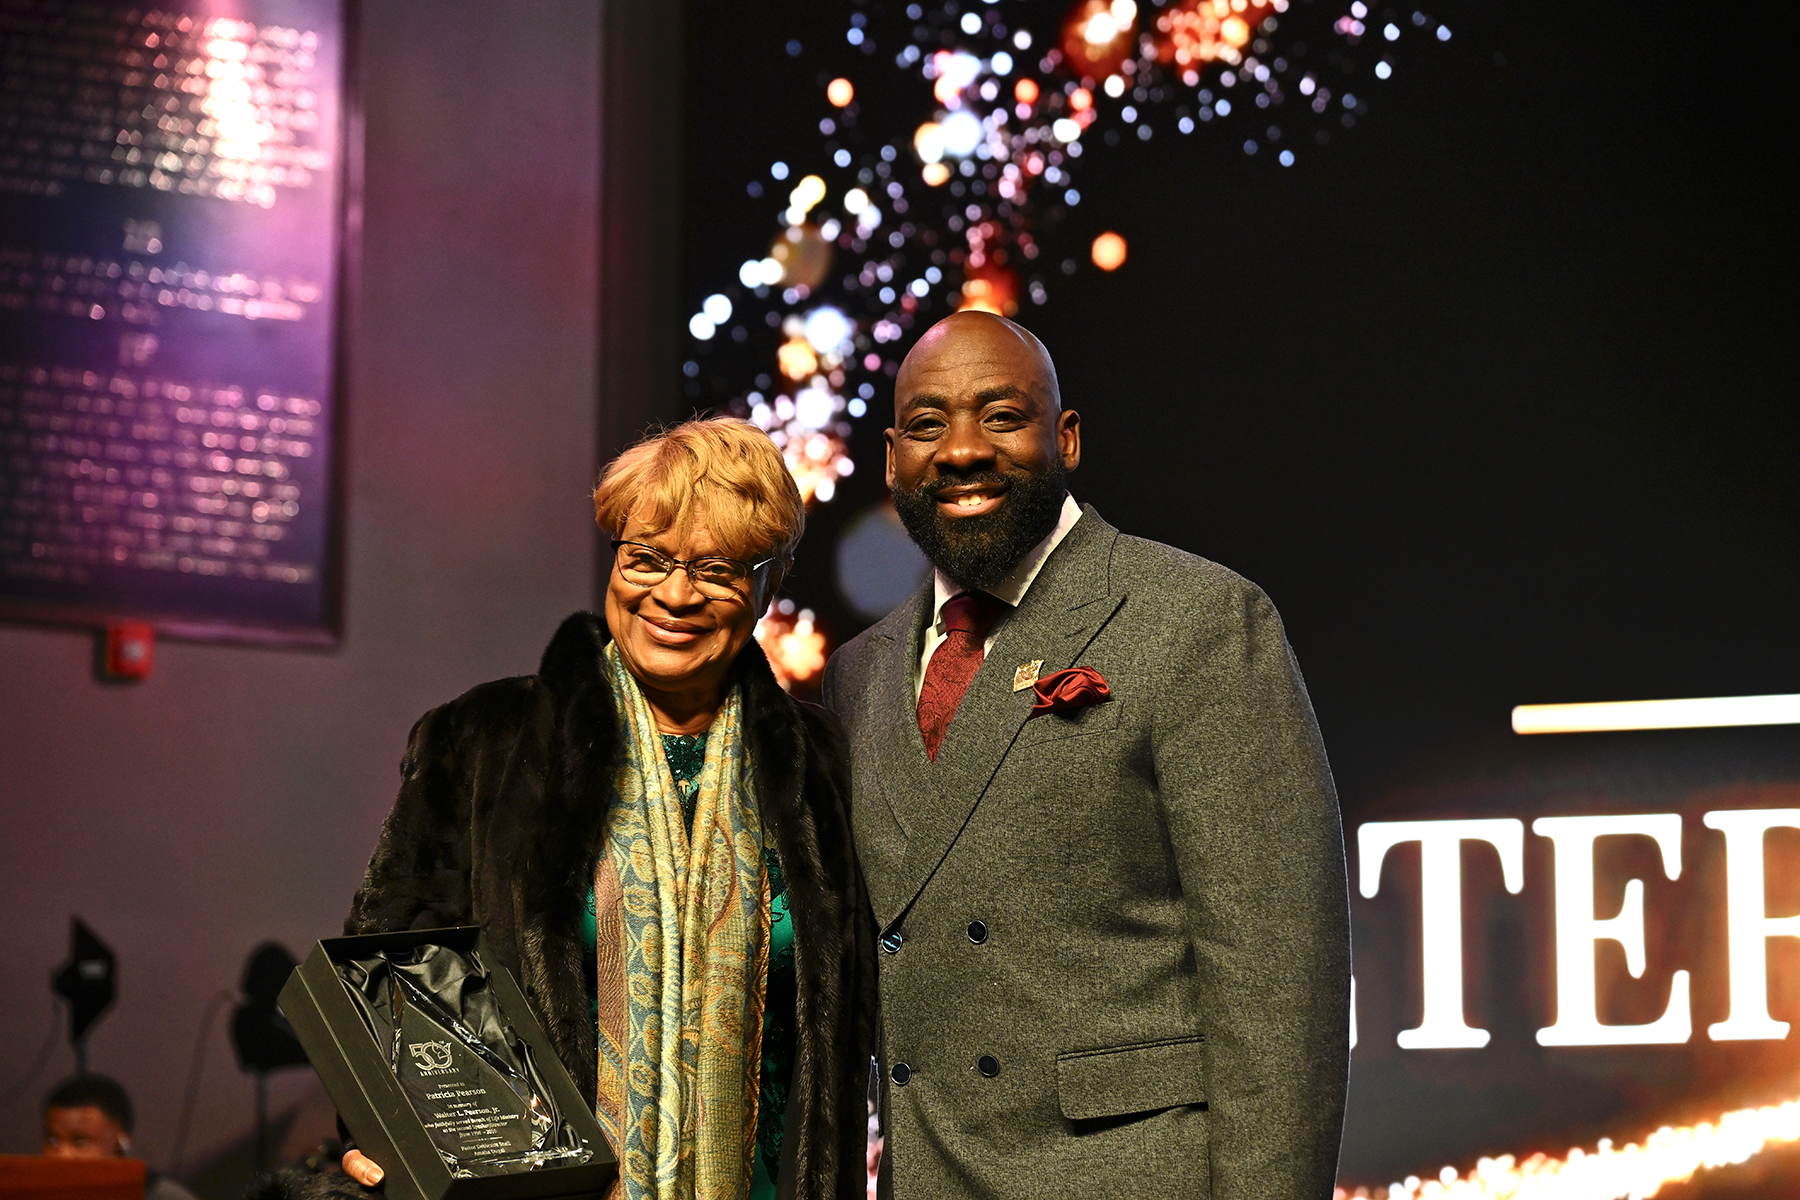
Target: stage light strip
(1670,1155)
(1619,715)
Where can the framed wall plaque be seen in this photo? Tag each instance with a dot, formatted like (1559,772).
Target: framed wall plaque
(177,194)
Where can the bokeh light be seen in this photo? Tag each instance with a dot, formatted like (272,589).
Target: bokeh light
(827,330)
(990,289)
(1099,35)
(1197,32)
(928,142)
(1109,252)
(955,71)
(962,132)
(806,194)
(797,358)
(795,646)
(840,92)
(802,255)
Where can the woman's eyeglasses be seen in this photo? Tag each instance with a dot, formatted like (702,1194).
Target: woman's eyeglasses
(715,577)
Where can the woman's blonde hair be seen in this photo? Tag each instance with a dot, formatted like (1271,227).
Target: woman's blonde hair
(721,467)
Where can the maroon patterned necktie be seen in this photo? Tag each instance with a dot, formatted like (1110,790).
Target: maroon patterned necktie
(968,619)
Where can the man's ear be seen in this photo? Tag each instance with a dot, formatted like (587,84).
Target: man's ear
(1068,438)
(887,435)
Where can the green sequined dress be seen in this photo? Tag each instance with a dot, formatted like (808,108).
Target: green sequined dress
(686,754)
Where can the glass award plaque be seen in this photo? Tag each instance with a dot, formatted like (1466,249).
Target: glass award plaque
(438,1069)
(467,1074)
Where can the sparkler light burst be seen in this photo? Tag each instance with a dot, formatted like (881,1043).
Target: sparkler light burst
(1608,1172)
(959,208)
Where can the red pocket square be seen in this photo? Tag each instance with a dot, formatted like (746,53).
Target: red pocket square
(1066,691)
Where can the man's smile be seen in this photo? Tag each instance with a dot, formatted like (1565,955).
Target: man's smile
(969,500)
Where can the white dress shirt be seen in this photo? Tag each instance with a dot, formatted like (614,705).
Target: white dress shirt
(1012,589)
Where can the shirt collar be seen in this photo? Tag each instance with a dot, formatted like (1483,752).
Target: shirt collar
(1018,581)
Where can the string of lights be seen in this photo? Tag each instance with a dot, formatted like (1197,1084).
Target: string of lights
(960,209)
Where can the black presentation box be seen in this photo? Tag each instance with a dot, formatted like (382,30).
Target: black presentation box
(377,1111)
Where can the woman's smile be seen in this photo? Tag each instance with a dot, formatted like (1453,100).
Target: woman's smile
(671,632)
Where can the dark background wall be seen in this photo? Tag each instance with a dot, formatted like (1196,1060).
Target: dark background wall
(234,796)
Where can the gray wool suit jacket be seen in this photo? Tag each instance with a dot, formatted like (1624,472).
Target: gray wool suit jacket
(1116,952)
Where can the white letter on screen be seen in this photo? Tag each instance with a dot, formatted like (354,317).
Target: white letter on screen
(1748,925)
(1577,929)
(1440,897)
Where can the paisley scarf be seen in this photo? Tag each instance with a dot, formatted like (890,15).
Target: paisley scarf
(683,960)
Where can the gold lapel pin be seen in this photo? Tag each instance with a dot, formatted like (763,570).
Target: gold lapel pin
(1027,674)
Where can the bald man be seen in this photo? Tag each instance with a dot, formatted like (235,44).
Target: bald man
(1098,828)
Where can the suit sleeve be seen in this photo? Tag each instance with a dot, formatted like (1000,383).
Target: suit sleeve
(418,877)
(1253,818)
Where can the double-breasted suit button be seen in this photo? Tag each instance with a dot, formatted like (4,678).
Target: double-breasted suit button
(891,941)
(988,1065)
(978,932)
(901,1074)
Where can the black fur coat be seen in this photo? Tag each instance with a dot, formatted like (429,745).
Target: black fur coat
(498,824)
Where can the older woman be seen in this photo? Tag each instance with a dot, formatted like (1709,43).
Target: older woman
(653,836)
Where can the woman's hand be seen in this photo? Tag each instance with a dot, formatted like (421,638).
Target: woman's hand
(361,1168)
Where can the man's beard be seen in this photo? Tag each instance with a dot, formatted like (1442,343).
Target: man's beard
(978,552)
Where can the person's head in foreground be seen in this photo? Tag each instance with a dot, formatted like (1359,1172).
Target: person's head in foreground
(88,1116)
(704,519)
(981,446)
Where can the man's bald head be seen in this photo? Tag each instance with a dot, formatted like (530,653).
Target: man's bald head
(976,335)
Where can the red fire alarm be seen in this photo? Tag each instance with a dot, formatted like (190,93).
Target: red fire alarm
(130,649)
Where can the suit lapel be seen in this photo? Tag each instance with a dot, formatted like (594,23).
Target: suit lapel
(1065,607)
(899,771)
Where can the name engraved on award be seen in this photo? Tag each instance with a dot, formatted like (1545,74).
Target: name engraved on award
(470,1111)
